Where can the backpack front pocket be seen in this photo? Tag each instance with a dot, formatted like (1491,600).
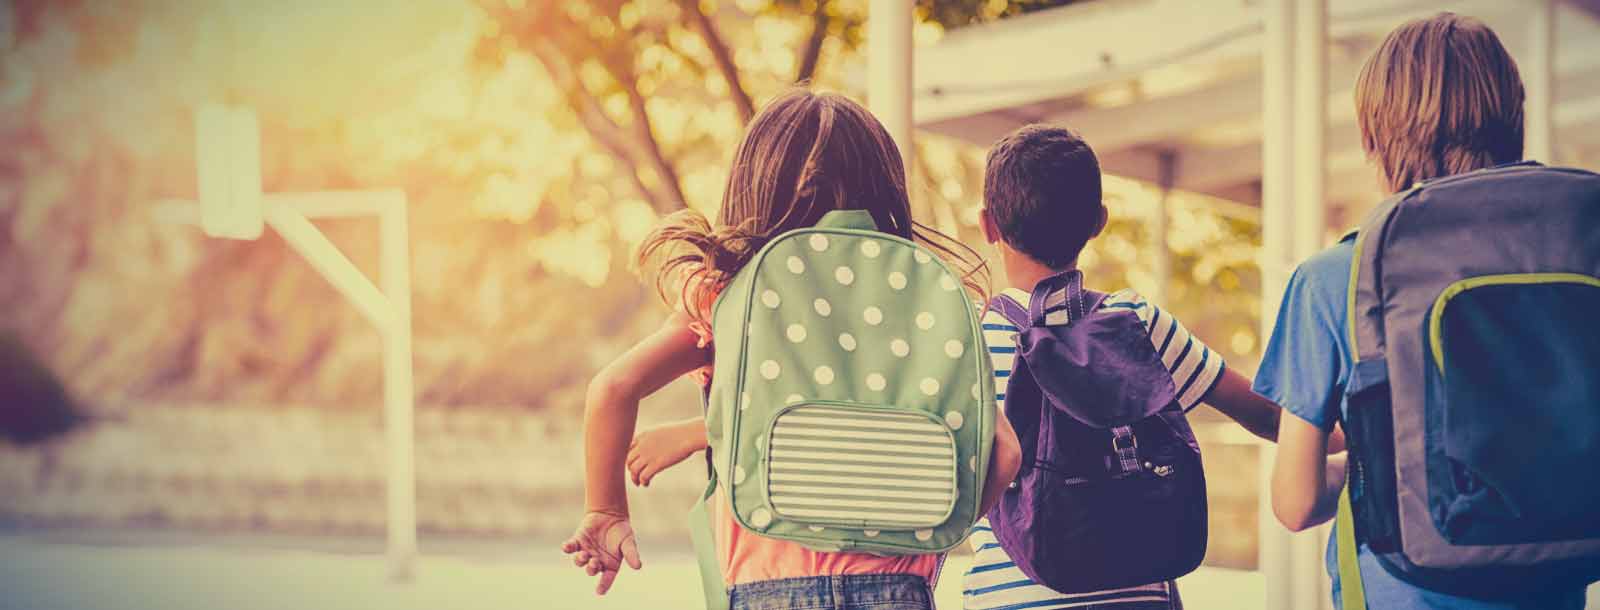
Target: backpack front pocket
(861,466)
(1514,361)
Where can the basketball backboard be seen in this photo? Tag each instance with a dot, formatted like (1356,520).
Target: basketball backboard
(228,162)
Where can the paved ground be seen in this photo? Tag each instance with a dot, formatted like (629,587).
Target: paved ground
(49,574)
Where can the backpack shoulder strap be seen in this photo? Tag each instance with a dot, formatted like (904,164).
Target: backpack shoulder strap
(1363,308)
(702,534)
(1057,300)
(1352,592)
(1011,310)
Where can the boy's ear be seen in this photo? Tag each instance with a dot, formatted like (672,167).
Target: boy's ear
(1105,217)
(991,233)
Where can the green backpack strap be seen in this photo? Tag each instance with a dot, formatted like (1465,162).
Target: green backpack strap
(705,549)
(1352,594)
(848,219)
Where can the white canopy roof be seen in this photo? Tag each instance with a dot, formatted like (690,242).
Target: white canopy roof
(1191,86)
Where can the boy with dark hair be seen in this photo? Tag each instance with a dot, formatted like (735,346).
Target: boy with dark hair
(1439,97)
(1042,205)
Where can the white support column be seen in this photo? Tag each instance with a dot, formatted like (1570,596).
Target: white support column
(1273,548)
(889,69)
(1309,218)
(1539,78)
(1160,221)
(399,395)
(1310,126)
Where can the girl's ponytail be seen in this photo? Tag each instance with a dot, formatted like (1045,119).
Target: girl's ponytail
(688,254)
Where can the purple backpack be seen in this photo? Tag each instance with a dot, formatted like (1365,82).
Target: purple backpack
(1111,492)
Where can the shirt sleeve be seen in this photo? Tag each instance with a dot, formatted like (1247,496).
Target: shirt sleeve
(1195,367)
(1303,368)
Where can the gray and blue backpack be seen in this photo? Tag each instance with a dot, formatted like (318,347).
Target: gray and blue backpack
(1474,404)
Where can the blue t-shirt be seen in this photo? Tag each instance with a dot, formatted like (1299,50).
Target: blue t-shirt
(1304,369)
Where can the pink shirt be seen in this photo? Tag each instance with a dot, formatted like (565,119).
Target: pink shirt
(750,557)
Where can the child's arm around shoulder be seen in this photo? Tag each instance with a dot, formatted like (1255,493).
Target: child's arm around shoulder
(1254,412)
(604,538)
(1199,374)
(1234,398)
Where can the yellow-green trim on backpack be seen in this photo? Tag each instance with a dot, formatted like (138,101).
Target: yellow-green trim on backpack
(1353,595)
(1436,317)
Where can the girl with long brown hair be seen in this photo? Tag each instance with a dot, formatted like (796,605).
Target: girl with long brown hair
(804,155)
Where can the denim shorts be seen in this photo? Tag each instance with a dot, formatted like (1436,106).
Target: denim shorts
(846,592)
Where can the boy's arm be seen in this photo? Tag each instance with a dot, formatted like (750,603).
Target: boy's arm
(663,447)
(604,539)
(1305,479)
(1254,412)
(1303,367)
(1233,397)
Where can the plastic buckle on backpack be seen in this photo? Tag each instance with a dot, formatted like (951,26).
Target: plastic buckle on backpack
(1117,444)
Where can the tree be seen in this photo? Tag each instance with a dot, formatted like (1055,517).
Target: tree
(612,35)
(536,145)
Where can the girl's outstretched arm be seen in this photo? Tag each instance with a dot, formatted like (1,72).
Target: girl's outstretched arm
(604,538)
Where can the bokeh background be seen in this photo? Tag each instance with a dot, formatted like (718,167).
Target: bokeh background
(185,418)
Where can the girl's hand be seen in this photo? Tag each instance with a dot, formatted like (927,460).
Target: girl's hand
(600,546)
(662,447)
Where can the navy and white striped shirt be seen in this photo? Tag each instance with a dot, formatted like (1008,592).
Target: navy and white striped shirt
(994,582)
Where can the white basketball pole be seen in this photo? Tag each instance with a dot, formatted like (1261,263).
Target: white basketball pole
(232,205)
(398,391)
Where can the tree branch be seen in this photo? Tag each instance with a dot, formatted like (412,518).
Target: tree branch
(811,53)
(642,126)
(636,148)
(605,131)
(723,57)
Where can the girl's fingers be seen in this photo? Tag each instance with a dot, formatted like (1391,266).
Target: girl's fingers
(581,558)
(633,472)
(630,553)
(606,578)
(594,566)
(570,546)
(647,474)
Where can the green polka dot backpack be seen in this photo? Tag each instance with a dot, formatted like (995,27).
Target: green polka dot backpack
(851,406)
